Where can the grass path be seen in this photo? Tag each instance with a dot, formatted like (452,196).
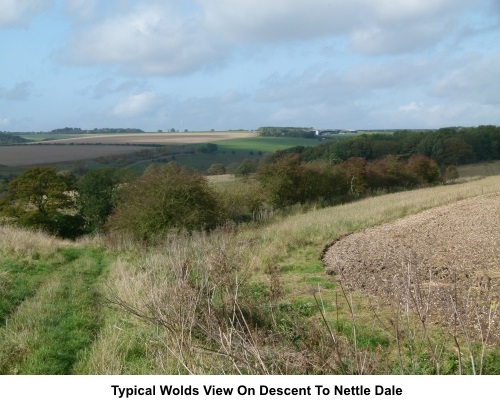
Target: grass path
(59,316)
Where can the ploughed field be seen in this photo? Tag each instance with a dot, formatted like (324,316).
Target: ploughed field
(443,263)
(24,155)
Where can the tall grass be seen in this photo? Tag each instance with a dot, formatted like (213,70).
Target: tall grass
(257,300)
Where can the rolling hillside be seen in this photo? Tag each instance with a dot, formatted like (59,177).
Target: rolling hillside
(250,300)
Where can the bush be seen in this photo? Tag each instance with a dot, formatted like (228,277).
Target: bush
(242,200)
(289,182)
(165,198)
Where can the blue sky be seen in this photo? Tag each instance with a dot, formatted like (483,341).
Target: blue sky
(231,64)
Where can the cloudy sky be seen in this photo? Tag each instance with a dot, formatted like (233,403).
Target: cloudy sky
(231,64)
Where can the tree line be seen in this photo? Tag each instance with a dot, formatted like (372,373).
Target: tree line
(69,130)
(446,146)
(172,197)
(10,139)
(290,132)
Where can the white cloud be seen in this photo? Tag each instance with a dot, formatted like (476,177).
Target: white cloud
(17,12)
(359,82)
(4,121)
(374,26)
(411,107)
(82,9)
(477,80)
(146,103)
(150,39)
(159,38)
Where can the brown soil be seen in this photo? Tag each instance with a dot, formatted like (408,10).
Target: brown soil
(443,263)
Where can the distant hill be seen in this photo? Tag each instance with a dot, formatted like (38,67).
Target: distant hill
(10,139)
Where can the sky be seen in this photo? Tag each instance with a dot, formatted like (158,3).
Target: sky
(243,64)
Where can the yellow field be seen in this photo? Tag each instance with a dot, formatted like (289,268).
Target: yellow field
(156,138)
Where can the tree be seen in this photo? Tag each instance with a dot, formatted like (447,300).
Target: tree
(45,199)
(425,170)
(282,181)
(216,169)
(96,190)
(165,198)
(245,168)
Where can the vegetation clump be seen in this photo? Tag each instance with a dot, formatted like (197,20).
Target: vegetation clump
(44,199)
(166,197)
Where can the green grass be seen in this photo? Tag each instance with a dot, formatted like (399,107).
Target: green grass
(232,151)
(263,144)
(52,320)
(23,277)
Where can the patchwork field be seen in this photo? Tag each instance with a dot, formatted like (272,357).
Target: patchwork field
(25,155)
(91,147)
(156,138)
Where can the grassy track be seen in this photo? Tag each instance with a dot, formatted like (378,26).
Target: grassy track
(56,316)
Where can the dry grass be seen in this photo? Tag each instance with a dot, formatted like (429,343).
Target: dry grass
(28,243)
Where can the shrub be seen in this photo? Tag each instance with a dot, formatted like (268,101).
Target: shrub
(289,182)
(165,198)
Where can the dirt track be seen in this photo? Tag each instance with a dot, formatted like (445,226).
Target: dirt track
(445,261)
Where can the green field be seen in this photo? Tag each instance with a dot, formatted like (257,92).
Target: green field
(263,144)
(230,152)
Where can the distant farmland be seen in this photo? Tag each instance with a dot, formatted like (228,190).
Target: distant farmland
(25,155)
(94,146)
(157,138)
